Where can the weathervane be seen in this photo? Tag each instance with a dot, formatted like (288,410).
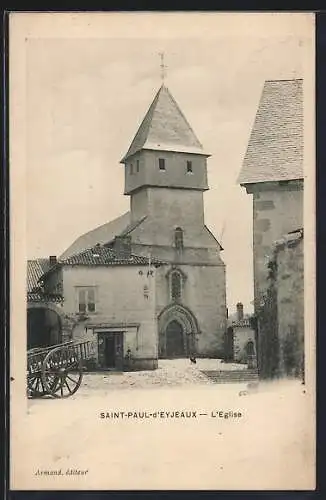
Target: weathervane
(163,66)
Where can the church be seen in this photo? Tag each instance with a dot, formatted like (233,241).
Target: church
(152,281)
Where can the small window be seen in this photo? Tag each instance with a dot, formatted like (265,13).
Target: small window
(176,285)
(178,238)
(161,163)
(137,166)
(131,169)
(86,299)
(82,301)
(189,167)
(91,300)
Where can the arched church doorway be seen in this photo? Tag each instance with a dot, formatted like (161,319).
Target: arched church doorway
(44,327)
(177,332)
(175,347)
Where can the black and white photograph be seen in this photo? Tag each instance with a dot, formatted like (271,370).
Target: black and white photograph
(162,251)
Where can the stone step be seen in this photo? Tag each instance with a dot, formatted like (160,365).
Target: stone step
(228,376)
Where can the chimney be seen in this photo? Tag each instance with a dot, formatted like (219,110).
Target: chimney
(239,311)
(122,245)
(53,260)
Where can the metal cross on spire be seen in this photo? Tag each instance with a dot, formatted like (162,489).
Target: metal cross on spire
(163,67)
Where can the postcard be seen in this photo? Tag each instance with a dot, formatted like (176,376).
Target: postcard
(162,226)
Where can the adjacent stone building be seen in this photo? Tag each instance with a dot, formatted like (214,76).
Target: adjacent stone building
(104,295)
(240,342)
(165,179)
(272,173)
(286,278)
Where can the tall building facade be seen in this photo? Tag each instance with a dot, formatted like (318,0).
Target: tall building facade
(272,173)
(166,178)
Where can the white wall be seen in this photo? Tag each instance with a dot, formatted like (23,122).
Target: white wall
(120,305)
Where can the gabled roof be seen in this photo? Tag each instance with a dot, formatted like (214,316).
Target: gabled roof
(106,256)
(99,255)
(102,234)
(35,269)
(165,128)
(129,229)
(275,149)
(211,234)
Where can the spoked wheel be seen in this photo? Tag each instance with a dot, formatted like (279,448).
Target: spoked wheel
(35,388)
(62,372)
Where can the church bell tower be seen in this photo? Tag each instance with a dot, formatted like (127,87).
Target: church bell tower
(165,165)
(165,178)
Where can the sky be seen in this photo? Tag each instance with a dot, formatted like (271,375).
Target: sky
(86,97)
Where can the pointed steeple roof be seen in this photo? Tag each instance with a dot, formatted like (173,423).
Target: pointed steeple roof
(275,149)
(165,128)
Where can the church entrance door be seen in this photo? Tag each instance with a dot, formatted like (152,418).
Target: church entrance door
(178,328)
(175,347)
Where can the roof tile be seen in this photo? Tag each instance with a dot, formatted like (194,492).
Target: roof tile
(102,234)
(43,297)
(35,269)
(106,256)
(275,149)
(165,128)
(96,256)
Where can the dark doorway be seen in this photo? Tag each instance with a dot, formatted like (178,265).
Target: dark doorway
(250,348)
(43,327)
(175,347)
(229,345)
(110,350)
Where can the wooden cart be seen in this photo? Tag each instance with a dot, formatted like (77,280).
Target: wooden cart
(57,370)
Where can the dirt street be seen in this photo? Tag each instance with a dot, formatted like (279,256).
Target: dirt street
(170,373)
(166,429)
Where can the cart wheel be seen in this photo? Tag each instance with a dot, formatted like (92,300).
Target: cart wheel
(35,388)
(62,372)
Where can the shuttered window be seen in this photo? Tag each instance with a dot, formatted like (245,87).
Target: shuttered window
(86,299)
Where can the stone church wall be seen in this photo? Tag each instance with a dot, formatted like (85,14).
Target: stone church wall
(175,173)
(204,295)
(167,209)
